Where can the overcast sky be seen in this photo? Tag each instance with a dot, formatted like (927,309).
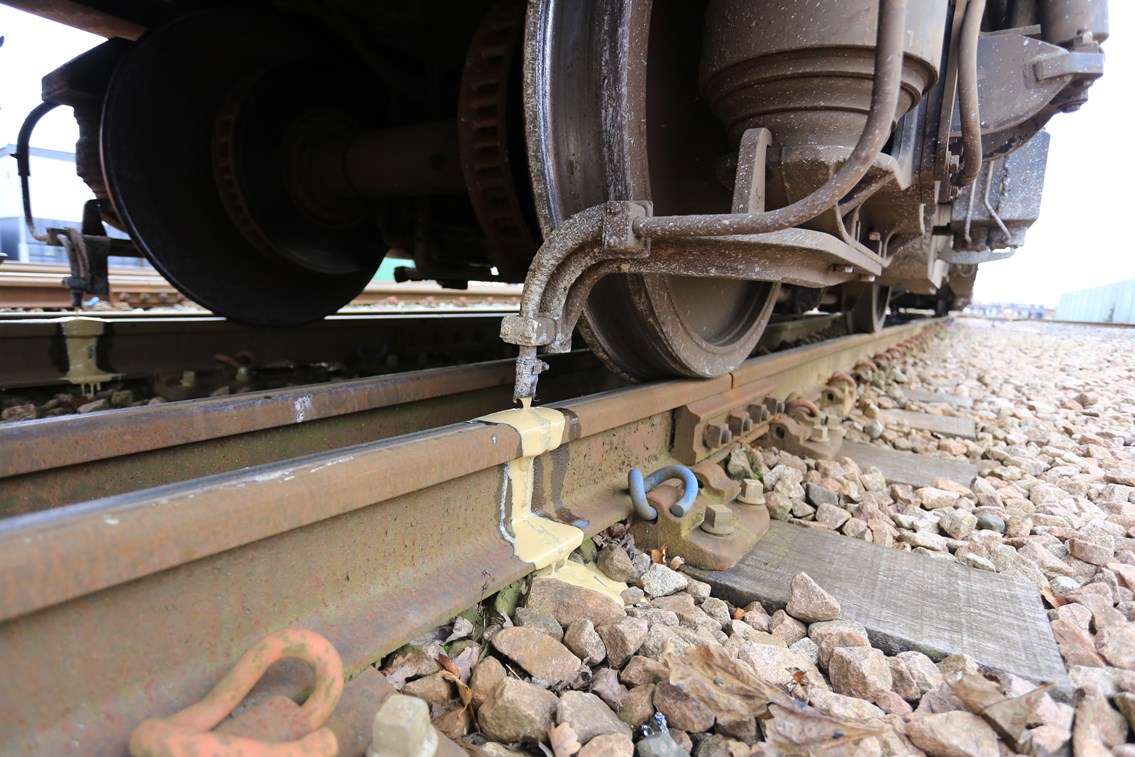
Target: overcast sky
(1078,241)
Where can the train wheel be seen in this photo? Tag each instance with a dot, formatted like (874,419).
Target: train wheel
(865,306)
(208,128)
(617,115)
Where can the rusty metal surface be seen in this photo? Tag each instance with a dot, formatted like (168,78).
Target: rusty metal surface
(57,461)
(142,347)
(366,546)
(37,285)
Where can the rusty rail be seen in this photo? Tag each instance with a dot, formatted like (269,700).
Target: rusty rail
(37,285)
(140,346)
(148,345)
(125,607)
(58,461)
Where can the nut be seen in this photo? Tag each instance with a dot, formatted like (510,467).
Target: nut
(716,435)
(752,492)
(718,520)
(739,423)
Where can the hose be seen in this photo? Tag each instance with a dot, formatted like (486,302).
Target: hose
(876,131)
(968,105)
(23,164)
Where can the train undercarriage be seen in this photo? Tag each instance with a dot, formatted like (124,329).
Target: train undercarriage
(663,175)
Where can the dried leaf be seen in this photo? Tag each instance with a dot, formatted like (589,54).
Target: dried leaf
(738,613)
(465,661)
(463,691)
(677,562)
(606,686)
(734,693)
(462,629)
(455,723)
(563,740)
(447,664)
(802,730)
(451,672)
(723,684)
(411,661)
(1009,716)
(1050,597)
(658,555)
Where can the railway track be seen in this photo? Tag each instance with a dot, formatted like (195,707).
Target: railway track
(37,285)
(355,506)
(164,349)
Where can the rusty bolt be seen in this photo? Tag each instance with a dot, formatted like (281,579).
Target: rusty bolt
(739,423)
(718,520)
(819,433)
(716,434)
(759,413)
(752,492)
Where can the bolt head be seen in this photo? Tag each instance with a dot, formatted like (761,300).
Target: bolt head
(718,520)
(752,492)
(716,434)
(739,423)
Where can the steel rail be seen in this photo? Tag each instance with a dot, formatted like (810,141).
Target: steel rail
(57,461)
(38,285)
(149,345)
(121,608)
(145,347)
(53,462)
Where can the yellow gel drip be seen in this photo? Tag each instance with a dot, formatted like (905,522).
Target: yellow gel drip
(587,576)
(537,540)
(544,543)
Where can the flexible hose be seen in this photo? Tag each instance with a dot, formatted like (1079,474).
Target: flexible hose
(876,131)
(967,93)
(23,164)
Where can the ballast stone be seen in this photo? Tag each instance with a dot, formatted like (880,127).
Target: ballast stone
(809,602)
(660,581)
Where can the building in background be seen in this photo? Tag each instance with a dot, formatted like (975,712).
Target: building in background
(1011,311)
(58,196)
(1111,303)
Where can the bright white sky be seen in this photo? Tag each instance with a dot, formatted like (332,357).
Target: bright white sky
(1077,243)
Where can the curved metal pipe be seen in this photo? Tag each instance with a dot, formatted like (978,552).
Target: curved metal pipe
(876,131)
(639,486)
(23,163)
(968,105)
(989,205)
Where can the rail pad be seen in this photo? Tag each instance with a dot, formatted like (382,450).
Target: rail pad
(905,601)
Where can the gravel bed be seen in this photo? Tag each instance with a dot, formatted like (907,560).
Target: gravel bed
(547,668)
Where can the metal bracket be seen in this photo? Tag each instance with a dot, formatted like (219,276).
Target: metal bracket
(717,531)
(840,394)
(703,429)
(817,440)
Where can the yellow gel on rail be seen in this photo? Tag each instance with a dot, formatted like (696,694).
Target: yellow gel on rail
(544,543)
